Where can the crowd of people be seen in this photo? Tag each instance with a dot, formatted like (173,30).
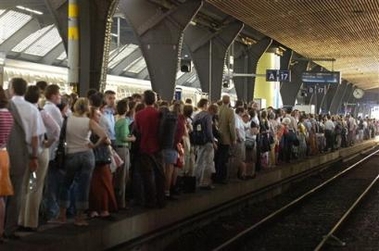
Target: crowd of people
(140,151)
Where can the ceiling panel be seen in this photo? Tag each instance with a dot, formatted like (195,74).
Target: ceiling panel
(345,30)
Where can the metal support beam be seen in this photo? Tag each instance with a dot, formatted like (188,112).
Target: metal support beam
(160,33)
(289,90)
(327,100)
(92,30)
(208,50)
(346,97)
(246,61)
(337,99)
(58,8)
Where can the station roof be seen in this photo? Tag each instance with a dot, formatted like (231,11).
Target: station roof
(344,30)
(321,31)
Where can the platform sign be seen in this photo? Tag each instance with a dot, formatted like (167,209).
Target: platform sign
(278,75)
(316,89)
(321,77)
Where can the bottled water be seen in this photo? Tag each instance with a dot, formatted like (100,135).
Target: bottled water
(32,181)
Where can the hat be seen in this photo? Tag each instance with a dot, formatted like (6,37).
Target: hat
(286,121)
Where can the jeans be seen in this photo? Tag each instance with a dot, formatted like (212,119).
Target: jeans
(50,206)
(79,167)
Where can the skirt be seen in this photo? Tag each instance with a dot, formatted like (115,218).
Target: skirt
(6,188)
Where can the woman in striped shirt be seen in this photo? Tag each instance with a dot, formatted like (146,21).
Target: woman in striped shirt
(6,189)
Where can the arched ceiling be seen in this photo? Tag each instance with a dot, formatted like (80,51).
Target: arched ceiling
(344,30)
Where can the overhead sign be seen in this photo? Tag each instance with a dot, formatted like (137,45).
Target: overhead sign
(278,75)
(321,77)
(316,89)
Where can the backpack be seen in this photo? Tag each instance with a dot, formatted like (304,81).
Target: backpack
(199,134)
(167,129)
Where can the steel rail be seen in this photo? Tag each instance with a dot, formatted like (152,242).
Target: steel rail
(291,204)
(344,217)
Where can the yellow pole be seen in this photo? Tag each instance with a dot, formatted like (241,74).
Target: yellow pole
(267,90)
(73,45)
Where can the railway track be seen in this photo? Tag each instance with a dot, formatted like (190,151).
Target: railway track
(310,221)
(185,235)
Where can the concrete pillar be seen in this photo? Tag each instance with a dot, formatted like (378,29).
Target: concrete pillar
(289,90)
(245,61)
(337,99)
(263,89)
(208,50)
(73,44)
(159,32)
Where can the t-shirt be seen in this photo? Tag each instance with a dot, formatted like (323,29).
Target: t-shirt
(6,123)
(147,125)
(122,131)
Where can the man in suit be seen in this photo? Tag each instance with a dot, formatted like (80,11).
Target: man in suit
(227,130)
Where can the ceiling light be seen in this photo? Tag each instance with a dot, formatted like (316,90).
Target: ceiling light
(29,10)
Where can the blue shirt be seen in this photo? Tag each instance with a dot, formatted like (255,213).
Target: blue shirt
(107,121)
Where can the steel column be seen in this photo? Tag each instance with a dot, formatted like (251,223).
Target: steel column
(246,61)
(289,90)
(160,31)
(336,101)
(202,44)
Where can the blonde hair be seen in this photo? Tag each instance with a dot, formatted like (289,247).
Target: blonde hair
(81,106)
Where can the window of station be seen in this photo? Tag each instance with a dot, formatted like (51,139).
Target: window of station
(45,44)
(31,39)
(137,66)
(11,22)
(118,57)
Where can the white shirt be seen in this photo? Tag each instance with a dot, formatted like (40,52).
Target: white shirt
(240,127)
(329,125)
(31,120)
(54,112)
(78,134)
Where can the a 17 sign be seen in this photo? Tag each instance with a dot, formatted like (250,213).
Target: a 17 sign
(278,75)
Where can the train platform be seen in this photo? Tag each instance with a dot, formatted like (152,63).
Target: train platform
(136,222)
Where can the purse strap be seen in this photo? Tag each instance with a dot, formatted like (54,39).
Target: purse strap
(62,135)
(17,118)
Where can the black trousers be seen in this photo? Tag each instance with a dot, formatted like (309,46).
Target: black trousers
(221,162)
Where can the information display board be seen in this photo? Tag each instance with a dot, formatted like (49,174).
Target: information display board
(321,77)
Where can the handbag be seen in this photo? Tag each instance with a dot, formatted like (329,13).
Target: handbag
(249,143)
(60,153)
(180,160)
(116,160)
(102,155)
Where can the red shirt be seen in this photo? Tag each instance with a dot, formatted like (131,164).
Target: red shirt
(147,124)
(6,123)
